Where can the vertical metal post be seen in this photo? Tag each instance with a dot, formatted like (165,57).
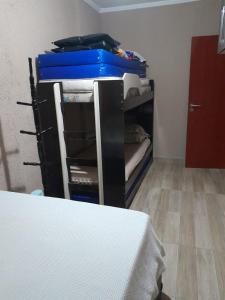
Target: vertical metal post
(98,142)
(62,146)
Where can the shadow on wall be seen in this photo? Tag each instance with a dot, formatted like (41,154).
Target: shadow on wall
(5,165)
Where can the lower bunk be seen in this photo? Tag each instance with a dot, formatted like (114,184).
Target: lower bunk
(84,178)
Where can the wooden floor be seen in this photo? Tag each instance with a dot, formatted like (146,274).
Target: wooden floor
(187,208)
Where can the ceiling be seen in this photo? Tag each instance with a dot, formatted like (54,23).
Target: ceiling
(103,6)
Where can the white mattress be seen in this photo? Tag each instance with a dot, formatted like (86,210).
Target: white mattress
(60,249)
(81,90)
(134,153)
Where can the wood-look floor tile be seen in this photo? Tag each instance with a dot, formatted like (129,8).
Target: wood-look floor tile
(206,276)
(166,225)
(221,203)
(213,182)
(170,200)
(173,180)
(170,275)
(198,180)
(200,204)
(187,207)
(217,228)
(193,203)
(153,198)
(187,274)
(171,228)
(147,200)
(216,223)
(219,180)
(219,258)
(158,221)
(193,180)
(187,184)
(187,230)
(187,204)
(202,232)
(154,179)
(212,203)
(141,200)
(163,201)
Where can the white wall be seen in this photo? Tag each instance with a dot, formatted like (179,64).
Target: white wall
(88,19)
(26,28)
(163,36)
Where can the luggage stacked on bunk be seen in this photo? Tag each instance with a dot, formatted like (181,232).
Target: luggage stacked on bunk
(77,58)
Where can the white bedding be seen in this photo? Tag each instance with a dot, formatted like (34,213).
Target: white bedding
(59,249)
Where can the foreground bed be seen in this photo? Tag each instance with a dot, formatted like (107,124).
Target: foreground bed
(59,249)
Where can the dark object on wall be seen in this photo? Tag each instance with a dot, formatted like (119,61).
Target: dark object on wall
(87,40)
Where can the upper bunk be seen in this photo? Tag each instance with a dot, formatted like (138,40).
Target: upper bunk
(79,70)
(136,90)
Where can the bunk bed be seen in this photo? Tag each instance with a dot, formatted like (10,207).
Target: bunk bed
(82,124)
(91,136)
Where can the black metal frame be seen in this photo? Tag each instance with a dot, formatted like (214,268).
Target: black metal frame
(118,192)
(51,161)
(112,138)
(43,107)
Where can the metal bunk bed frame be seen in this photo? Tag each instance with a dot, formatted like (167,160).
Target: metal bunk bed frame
(110,111)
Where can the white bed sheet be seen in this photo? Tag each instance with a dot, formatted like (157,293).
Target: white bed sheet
(60,249)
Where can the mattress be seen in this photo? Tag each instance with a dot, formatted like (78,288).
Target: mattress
(87,71)
(87,57)
(53,248)
(86,64)
(82,90)
(134,153)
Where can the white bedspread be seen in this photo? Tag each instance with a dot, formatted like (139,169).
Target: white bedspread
(54,249)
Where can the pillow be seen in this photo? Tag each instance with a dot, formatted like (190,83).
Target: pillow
(134,134)
(86,40)
(98,45)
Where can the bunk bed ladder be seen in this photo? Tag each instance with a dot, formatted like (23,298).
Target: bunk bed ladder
(39,133)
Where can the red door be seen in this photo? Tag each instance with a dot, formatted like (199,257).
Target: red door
(206,116)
